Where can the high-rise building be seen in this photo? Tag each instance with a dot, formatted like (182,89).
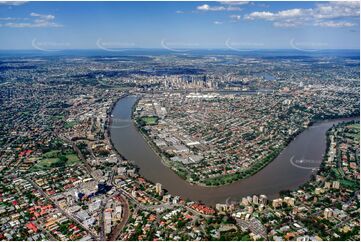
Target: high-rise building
(166,198)
(249,198)
(176,200)
(277,202)
(263,199)
(327,213)
(336,185)
(158,188)
(261,208)
(289,201)
(255,199)
(250,209)
(327,184)
(245,201)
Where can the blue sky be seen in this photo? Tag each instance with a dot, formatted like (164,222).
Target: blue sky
(177,25)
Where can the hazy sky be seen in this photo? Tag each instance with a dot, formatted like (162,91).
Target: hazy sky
(238,25)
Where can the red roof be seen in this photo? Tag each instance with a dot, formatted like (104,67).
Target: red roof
(25,152)
(32,227)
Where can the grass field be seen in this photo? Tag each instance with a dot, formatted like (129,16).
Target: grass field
(57,117)
(150,120)
(70,124)
(51,158)
(72,159)
(350,184)
(51,154)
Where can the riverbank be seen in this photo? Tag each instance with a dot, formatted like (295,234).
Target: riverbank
(108,124)
(107,131)
(278,175)
(183,172)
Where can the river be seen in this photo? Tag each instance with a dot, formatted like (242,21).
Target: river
(292,168)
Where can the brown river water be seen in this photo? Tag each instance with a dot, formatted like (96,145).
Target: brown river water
(292,168)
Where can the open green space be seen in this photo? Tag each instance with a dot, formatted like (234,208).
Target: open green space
(57,117)
(353,185)
(70,124)
(148,120)
(56,158)
(336,173)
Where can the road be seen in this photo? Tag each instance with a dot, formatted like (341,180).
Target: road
(65,213)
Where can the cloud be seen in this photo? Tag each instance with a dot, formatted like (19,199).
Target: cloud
(225,6)
(31,25)
(235,2)
(218,22)
(206,7)
(312,16)
(43,16)
(285,14)
(337,10)
(260,15)
(38,21)
(235,17)
(12,3)
(11,19)
(285,24)
(334,24)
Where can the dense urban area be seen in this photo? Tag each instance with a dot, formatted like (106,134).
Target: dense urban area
(213,118)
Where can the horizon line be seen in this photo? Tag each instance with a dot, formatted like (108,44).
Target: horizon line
(188,49)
